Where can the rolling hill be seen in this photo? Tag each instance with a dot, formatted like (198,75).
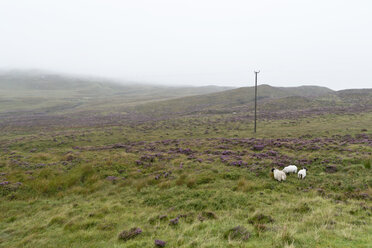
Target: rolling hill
(270,99)
(234,98)
(44,99)
(22,91)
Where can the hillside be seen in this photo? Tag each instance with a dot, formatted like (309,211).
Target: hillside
(22,91)
(137,104)
(232,99)
(273,102)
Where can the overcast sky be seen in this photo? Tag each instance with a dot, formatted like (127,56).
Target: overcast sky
(198,42)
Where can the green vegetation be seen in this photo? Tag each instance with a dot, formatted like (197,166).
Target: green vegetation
(67,197)
(190,180)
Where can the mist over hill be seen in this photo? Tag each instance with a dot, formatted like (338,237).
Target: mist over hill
(43,91)
(28,81)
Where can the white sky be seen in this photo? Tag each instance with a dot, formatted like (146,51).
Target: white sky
(199,42)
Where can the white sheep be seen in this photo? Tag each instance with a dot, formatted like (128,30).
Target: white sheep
(302,173)
(290,169)
(279,175)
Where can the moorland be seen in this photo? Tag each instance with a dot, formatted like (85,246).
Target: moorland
(83,162)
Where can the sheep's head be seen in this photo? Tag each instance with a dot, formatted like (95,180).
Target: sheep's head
(305,168)
(272,170)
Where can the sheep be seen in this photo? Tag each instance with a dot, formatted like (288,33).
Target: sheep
(290,169)
(279,175)
(302,173)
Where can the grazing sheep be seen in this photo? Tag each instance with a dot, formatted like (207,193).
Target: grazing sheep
(279,175)
(302,173)
(290,169)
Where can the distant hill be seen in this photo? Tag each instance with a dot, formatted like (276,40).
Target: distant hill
(33,96)
(46,92)
(357,96)
(30,81)
(232,99)
(33,81)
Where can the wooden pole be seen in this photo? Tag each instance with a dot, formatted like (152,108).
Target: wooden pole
(255,101)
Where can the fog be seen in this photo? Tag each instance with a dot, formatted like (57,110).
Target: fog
(292,42)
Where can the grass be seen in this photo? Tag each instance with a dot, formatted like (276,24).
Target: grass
(78,189)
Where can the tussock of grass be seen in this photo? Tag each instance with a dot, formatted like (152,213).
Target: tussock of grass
(52,182)
(367,164)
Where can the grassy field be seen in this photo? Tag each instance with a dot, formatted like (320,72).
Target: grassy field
(192,181)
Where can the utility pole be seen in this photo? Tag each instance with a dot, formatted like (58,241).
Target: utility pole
(255,101)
